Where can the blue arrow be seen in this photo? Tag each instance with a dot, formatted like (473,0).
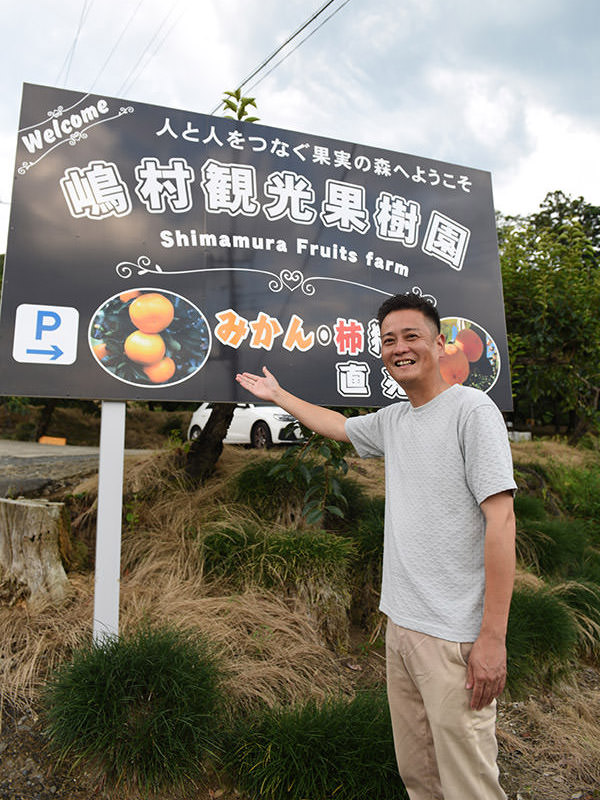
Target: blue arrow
(55,352)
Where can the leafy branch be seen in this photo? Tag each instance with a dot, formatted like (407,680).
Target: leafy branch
(237,103)
(318,462)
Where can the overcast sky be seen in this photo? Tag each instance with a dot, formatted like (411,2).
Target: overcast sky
(508,86)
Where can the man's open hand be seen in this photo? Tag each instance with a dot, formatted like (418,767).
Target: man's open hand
(265,388)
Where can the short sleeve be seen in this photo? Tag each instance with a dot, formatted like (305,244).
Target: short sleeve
(366,434)
(488,459)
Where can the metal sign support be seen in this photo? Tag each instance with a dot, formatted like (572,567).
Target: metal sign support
(108,528)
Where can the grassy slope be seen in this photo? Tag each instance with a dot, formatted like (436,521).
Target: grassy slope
(549,742)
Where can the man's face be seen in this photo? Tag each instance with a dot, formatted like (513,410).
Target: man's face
(411,347)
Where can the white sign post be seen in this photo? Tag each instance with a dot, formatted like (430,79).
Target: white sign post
(108,528)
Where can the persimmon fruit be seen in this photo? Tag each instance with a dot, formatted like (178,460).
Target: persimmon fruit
(470,343)
(152,312)
(454,365)
(144,348)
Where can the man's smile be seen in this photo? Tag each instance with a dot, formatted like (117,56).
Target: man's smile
(403,362)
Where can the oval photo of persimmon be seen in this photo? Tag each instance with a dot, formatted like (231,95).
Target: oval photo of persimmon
(149,337)
(471,355)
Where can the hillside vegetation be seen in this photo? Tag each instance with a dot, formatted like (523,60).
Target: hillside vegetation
(290,613)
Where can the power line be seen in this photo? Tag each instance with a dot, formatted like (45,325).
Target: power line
(148,46)
(279,49)
(116,44)
(287,55)
(154,52)
(87,5)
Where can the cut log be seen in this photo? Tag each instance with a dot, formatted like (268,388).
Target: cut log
(31,532)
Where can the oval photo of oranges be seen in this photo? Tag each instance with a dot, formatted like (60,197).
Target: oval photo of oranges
(471,356)
(149,337)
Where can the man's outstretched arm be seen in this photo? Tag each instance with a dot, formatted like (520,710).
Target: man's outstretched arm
(321,420)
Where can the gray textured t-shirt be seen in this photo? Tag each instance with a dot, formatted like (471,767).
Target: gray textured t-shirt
(442,460)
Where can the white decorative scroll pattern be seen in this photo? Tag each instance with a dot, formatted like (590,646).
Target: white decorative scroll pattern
(287,278)
(74,138)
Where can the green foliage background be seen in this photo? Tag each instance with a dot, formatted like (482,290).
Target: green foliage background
(551,279)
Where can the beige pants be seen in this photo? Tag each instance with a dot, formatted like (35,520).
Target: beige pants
(445,750)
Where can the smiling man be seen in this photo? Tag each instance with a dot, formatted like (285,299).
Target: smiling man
(448,558)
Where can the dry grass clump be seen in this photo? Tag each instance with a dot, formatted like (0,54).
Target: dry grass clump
(583,600)
(369,472)
(545,451)
(566,730)
(555,737)
(309,568)
(158,502)
(270,653)
(525,579)
(33,643)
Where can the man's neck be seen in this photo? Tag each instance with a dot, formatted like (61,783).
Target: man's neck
(420,395)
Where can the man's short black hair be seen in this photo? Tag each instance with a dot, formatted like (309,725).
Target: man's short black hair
(400,302)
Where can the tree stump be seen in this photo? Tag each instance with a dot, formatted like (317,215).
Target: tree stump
(31,532)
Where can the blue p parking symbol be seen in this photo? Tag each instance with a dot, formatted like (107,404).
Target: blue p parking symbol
(45,334)
(46,321)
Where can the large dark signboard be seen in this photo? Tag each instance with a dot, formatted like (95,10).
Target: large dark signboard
(153,253)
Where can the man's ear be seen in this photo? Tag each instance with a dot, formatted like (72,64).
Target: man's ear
(440,341)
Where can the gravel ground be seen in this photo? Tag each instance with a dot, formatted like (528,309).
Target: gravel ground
(26,769)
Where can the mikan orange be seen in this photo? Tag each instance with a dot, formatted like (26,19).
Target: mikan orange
(144,348)
(152,312)
(162,371)
(127,296)
(100,351)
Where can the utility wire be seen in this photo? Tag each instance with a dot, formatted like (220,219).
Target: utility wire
(148,46)
(116,44)
(287,55)
(263,64)
(87,5)
(153,53)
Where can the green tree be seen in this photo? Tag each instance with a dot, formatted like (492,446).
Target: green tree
(559,210)
(552,296)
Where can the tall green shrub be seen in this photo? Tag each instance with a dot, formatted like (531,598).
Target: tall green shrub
(583,599)
(341,749)
(142,707)
(558,545)
(542,637)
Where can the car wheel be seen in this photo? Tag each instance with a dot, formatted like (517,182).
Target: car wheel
(261,436)
(195,433)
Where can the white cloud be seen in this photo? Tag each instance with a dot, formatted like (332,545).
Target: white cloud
(508,87)
(563,156)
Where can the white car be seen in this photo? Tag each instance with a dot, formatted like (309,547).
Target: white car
(254,424)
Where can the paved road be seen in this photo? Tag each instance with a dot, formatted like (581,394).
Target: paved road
(13,449)
(28,468)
